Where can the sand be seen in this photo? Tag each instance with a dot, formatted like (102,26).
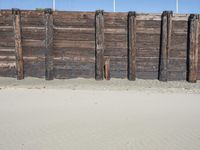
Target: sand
(84,114)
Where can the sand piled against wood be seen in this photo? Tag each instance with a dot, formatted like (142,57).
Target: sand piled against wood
(109,115)
(113,84)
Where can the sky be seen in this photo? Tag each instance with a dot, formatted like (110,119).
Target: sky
(150,6)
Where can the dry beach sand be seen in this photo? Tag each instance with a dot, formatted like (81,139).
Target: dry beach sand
(83,114)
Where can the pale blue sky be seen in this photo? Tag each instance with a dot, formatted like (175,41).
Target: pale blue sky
(185,6)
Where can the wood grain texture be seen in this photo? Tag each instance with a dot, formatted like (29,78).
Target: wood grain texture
(49,74)
(107,69)
(193,48)
(69,44)
(132,46)
(18,44)
(6,18)
(165,45)
(99,46)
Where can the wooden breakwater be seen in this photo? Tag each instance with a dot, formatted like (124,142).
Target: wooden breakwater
(99,45)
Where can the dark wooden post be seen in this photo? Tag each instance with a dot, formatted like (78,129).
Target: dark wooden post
(193,46)
(165,44)
(107,69)
(132,45)
(18,44)
(49,73)
(99,45)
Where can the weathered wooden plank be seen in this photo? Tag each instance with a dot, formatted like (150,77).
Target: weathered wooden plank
(7,52)
(34,68)
(116,52)
(33,22)
(116,31)
(76,20)
(73,30)
(115,44)
(76,58)
(178,53)
(76,36)
(180,17)
(179,26)
(33,51)
(146,37)
(198,75)
(132,46)
(156,24)
(147,75)
(49,74)
(118,74)
(73,44)
(165,45)
(116,15)
(107,69)
(193,48)
(118,67)
(115,20)
(32,18)
(6,18)
(113,37)
(6,29)
(115,23)
(155,52)
(73,15)
(99,45)
(34,43)
(7,43)
(81,23)
(147,64)
(177,64)
(18,44)
(176,75)
(146,16)
(147,45)
(33,34)
(32,13)
(73,65)
(73,73)
(8,72)
(59,52)
(7,64)
(148,30)
(6,34)
(178,41)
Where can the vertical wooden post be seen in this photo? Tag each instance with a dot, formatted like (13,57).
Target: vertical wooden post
(165,44)
(99,45)
(193,48)
(49,73)
(107,69)
(18,44)
(132,45)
